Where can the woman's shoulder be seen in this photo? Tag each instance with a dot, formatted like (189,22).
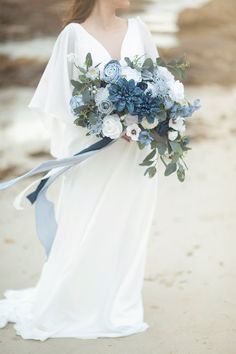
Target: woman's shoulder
(68,30)
(141,23)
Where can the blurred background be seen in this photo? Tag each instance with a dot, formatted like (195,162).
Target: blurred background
(189,288)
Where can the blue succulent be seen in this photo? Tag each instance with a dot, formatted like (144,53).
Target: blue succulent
(145,138)
(148,107)
(125,95)
(112,71)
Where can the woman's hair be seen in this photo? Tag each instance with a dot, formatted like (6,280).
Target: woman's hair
(78,11)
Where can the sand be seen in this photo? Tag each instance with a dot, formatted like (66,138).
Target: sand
(189,289)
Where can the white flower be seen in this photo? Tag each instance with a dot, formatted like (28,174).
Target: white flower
(103,103)
(130,119)
(177,124)
(112,126)
(153,88)
(147,125)
(92,73)
(172,134)
(128,73)
(133,131)
(163,74)
(176,91)
(101,95)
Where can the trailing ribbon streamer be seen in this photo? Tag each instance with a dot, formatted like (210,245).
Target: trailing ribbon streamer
(46,224)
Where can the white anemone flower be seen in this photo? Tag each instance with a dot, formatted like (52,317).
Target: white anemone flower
(133,131)
(172,134)
(177,124)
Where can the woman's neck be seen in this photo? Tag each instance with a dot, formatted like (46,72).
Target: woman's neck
(103,15)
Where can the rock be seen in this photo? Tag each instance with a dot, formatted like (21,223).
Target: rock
(208,37)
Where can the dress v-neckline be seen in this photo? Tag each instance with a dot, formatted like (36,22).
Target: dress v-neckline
(102,46)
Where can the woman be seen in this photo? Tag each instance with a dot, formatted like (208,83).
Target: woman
(91,283)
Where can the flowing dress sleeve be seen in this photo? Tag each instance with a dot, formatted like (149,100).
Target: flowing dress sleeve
(52,95)
(148,40)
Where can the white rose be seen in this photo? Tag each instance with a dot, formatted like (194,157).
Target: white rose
(130,119)
(176,91)
(162,73)
(101,95)
(133,131)
(172,134)
(177,124)
(112,126)
(128,73)
(147,125)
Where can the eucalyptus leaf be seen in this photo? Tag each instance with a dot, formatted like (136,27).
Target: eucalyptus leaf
(140,145)
(170,168)
(151,171)
(181,175)
(146,163)
(86,96)
(150,155)
(161,147)
(176,147)
(88,60)
(129,62)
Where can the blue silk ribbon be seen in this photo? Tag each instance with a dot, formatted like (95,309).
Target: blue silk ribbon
(46,224)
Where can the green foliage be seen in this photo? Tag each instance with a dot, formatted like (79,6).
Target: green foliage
(129,62)
(170,168)
(88,60)
(180,172)
(151,171)
(147,161)
(148,65)
(176,66)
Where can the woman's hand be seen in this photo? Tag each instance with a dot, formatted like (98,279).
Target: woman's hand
(126,137)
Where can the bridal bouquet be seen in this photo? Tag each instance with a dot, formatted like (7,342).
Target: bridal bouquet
(140,98)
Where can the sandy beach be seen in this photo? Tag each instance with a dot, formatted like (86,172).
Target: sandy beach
(190,282)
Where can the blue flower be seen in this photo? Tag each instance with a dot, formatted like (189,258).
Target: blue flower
(185,140)
(125,95)
(162,127)
(184,111)
(148,107)
(145,138)
(112,71)
(76,102)
(97,127)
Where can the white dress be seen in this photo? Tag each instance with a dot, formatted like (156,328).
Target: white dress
(91,284)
